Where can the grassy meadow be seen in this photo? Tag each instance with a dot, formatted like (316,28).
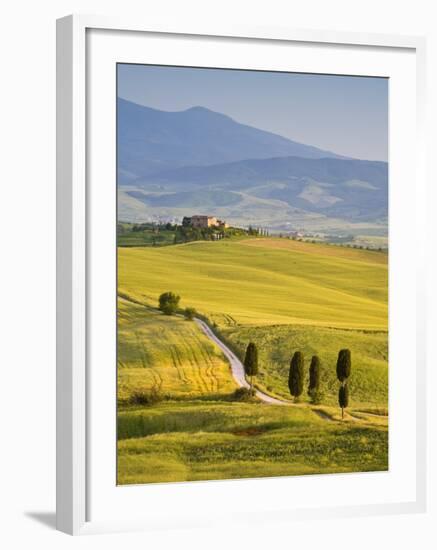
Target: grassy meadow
(191,441)
(145,238)
(284,295)
(369,380)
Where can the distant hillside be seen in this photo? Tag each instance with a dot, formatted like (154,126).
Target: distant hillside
(347,189)
(151,141)
(171,164)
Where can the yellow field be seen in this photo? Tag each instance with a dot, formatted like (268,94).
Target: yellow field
(315,249)
(264,282)
(284,295)
(167,353)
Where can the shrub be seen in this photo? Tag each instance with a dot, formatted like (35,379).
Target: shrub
(317,397)
(189,313)
(243,394)
(169,303)
(144,398)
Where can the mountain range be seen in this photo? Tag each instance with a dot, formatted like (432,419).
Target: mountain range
(172,164)
(150,141)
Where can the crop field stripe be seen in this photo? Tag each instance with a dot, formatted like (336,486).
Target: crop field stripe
(164,347)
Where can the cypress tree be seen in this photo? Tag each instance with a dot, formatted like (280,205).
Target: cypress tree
(295,377)
(251,363)
(343,364)
(313,386)
(343,398)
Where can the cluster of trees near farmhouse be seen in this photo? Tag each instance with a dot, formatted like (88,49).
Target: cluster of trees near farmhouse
(185,234)
(296,375)
(163,234)
(169,304)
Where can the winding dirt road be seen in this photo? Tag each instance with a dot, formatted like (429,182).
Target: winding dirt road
(237,366)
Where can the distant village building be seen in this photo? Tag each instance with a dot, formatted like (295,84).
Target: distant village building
(203,222)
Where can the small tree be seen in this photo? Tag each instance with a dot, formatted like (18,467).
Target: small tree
(295,377)
(343,398)
(313,386)
(251,363)
(344,365)
(169,303)
(189,313)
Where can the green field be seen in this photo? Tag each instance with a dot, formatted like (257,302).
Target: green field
(195,441)
(284,295)
(145,238)
(369,379)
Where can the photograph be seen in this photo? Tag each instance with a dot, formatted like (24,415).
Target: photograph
(252,273)
(222,337)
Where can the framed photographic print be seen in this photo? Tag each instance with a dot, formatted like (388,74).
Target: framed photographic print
(240,330)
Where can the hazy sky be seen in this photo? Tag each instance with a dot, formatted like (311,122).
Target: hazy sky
(344,114)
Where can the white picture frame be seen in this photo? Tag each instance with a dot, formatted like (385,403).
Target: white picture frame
(74,461)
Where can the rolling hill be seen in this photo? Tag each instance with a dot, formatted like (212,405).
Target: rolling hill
(167,353)
(171,164)
(284,295)
(256,282)
(349,189)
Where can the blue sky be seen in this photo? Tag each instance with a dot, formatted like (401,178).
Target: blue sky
(344,114)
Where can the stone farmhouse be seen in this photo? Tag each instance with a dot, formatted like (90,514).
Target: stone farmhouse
(203,222)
